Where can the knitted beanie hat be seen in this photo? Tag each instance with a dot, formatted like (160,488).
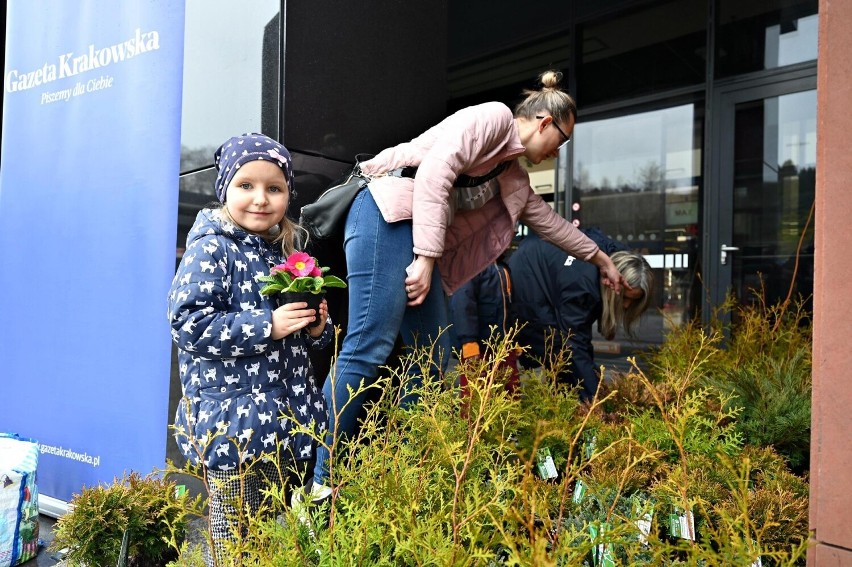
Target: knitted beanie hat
(248,147)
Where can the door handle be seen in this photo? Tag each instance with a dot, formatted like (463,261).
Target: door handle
(723,255)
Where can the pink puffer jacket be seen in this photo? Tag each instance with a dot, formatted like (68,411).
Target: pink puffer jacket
(474,140)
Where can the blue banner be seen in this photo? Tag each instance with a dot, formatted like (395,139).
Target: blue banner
(88,220)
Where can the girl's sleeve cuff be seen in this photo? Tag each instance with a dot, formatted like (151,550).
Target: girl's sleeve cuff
(322,341)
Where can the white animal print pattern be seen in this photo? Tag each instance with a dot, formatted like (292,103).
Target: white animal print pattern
(235,377)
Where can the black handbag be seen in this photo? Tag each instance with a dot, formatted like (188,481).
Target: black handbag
(325,217)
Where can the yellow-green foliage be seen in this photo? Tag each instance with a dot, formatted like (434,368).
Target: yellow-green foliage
(146,507)
(760,360)
(446,485)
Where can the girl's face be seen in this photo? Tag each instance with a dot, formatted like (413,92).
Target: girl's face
(257,196)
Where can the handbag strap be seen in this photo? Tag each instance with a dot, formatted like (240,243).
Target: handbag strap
(462,180)
(359,159)
(468,181)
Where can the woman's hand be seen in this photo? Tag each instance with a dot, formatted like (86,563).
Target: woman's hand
(419,280)
(292,317)
(317,330)
(610,275)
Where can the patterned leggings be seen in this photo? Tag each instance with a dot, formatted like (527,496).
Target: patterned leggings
(230,490)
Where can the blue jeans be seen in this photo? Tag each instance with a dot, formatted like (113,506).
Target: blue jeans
(377,254)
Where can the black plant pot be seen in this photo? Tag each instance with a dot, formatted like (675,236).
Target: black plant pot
(312,299)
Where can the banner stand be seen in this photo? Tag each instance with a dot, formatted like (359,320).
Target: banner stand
(52,507)
(89,189)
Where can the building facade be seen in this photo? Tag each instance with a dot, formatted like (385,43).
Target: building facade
(699,141)
(696,137)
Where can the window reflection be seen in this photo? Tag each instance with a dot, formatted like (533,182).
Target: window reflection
(795,44)
(638,178)
(230,78)
(542,177)
(230,59)
(774,188)
(196,191)
(752,36)
(657,47)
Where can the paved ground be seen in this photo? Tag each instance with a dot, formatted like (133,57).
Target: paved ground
(45,533)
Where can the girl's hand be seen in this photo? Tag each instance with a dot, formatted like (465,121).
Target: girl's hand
(290,318)
(323,318)
(419,280)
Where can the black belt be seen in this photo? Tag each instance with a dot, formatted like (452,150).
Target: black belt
(461,181)
(409,171)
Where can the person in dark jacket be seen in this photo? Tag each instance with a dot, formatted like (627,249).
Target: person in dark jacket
(558,295)
(479,312)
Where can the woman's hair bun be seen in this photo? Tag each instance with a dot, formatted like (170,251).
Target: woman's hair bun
(550,79)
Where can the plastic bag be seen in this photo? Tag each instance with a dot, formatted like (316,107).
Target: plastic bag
(18,499)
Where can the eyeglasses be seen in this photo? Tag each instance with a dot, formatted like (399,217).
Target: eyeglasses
(565,136)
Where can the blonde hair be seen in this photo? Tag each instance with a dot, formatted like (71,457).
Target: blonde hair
(549,100)
(637,272)
(291,235)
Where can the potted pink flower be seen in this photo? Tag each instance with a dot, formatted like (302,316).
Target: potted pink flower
(299,278)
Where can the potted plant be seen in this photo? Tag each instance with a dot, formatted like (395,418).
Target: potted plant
(300,278)
(137,521)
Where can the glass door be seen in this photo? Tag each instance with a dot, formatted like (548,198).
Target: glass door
(763,242)
(637,177)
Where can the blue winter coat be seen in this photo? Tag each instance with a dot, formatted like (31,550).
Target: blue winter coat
(480,305)
(242,389)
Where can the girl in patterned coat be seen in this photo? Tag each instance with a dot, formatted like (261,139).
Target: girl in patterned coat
(243,358)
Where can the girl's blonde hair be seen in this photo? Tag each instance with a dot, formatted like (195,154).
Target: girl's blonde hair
(637,272)
(550,100)
(292,236)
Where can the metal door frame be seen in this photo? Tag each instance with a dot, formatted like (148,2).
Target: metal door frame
(717,216)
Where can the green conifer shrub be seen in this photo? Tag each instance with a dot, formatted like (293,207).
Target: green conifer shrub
(147,508)
(451,483)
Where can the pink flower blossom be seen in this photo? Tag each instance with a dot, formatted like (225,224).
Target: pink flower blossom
(299,273)
(300,264)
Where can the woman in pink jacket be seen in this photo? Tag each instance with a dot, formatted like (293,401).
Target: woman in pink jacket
(415,231)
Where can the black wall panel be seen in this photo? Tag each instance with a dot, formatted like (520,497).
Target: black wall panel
(361,76)
(356,77)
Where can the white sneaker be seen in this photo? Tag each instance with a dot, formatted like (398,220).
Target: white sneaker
(319,494)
